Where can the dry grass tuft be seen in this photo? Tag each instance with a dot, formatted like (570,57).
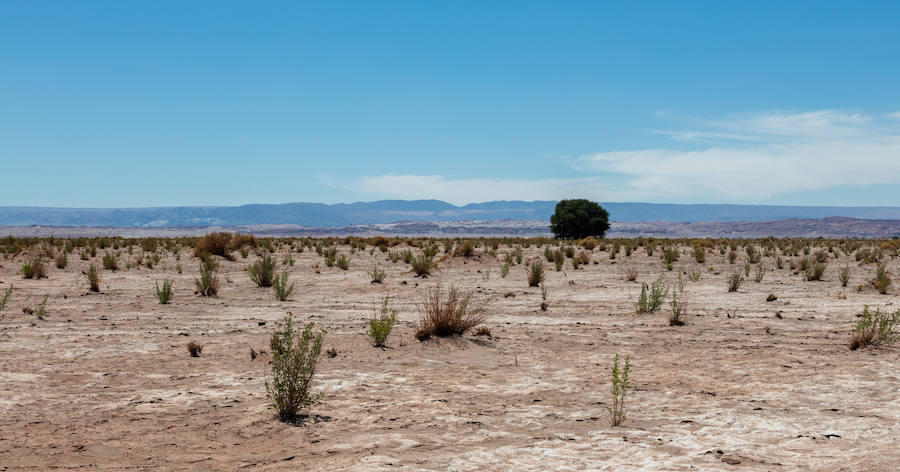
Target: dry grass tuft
(449,314)
(194,349)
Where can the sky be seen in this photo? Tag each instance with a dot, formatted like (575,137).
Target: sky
(163,103)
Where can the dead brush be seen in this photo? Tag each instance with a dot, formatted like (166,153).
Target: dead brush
(483,331)
(194,349)
(449,313)
(631,274)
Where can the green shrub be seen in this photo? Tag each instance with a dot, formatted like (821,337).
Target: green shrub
(619,390)
(504,270)
(699,255)
(732,256)
(262,272)
(421,264)
(845,275)
(164,293)
(342,262)
(110,261)
(6,294)
(34,268)
(382,322)
(295,355)
(643,303)
(41,310)
(814,270)
(678,304)
(535,273)
(658,292)
(874,328)
(93,277)
(559,259)
(281,287)
(62,261)
(760,273)
(465,249)
(377,275)
(882,279)
(670,255)
(208,283)
(652,297)
(735,281)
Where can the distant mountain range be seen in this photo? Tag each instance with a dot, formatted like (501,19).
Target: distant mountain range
(319,215)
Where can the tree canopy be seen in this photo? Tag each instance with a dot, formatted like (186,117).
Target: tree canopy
(579,218)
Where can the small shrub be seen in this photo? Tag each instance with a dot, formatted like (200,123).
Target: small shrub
(814,270)
(6,294)
(218,244)
(735,281)
(41,310)
(746,269)
(164,293)
(295,355)
(504,270)
(448,315)
(465,249)
(732,256)
(882,279)
(559,259)
(194,349)
(699,255)
(382,322)
(110,261)
(670,255)
(619,391)
(760,273)
(93,277)
(651,297)
(262,272)
(421,264)
(845,275)
(535,273)
(377,275)
(658,292)
(631,274)
(678,304)
(62,260)
(342,262)
(874,328)
(208,283)
(281,287)
(34,268)
(694,275)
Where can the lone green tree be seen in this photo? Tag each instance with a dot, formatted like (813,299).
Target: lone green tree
(580,218)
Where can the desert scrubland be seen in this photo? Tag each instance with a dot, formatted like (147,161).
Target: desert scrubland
(758,378)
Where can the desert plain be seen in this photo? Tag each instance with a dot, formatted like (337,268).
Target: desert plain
(103,381)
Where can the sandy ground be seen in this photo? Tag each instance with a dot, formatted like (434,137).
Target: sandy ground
(104,382)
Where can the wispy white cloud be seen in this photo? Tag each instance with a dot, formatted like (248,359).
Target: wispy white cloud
(468,190)
(744,158)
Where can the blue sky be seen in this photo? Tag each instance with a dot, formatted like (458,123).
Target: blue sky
(127,103)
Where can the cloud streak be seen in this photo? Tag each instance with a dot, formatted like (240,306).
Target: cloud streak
(748,158)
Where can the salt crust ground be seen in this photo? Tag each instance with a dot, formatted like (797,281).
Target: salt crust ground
(105,382)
